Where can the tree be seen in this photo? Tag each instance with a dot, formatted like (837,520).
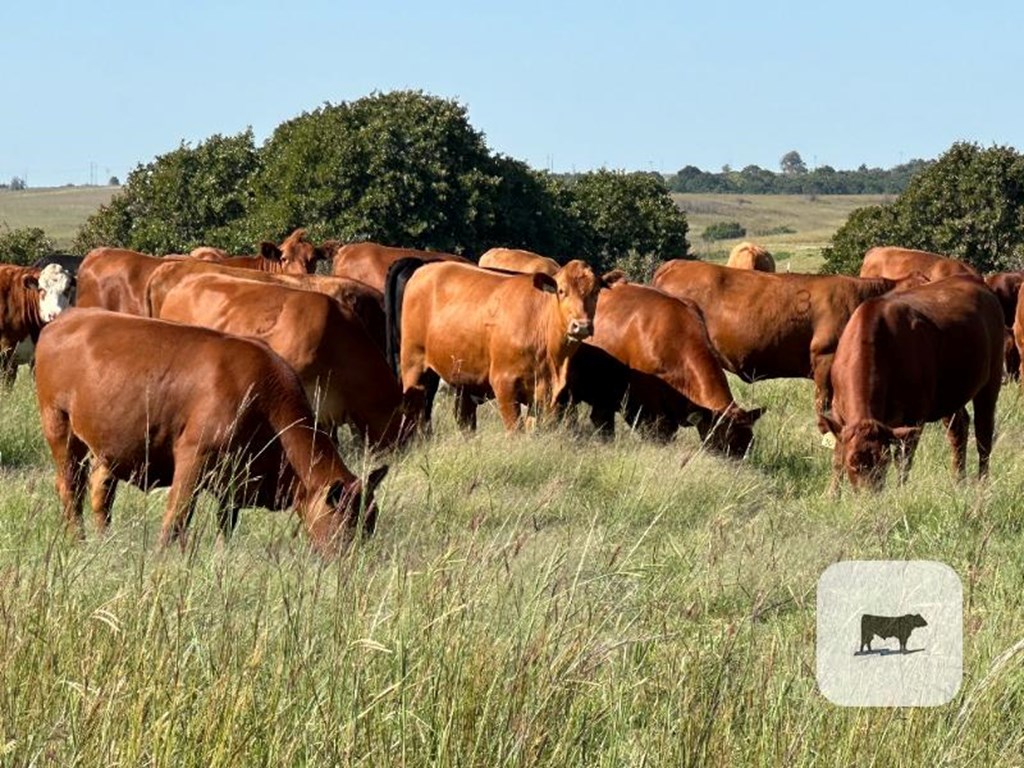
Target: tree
(969,204)
(402,167)
(24,245)
(17,184)
(627,212)
(113,181)
(190,196)
(792,164)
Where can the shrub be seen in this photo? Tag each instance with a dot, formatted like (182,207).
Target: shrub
(24,245)
(723,230)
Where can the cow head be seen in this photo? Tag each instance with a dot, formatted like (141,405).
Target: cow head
(866,449)
(336,511)
(730,432)
(297,255)
(917,620)
(55,285)
(575,287)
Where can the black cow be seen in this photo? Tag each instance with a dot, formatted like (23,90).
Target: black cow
(884,627)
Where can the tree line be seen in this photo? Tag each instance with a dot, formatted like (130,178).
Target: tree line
(795,179)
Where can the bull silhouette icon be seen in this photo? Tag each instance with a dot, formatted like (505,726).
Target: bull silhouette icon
(885,627)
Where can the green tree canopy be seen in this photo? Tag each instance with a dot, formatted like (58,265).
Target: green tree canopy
(23,245)
(969,204)
(188,197)
(403,168)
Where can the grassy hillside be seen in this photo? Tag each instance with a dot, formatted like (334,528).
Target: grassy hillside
(59,211)
(813,218)
(541,599)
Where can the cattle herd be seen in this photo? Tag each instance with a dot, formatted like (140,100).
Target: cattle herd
(233,373)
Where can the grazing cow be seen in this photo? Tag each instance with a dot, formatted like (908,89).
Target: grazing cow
(515,260)
(345,375)
(369,262)
(487,334)
(159,404)
(909,358)
(885,627)
(772,325)
(1006,287)
(29,298)
(749,256)
(676,378)
(897,263)
(360,299)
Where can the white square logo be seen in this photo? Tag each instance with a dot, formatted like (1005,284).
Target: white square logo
(890,633)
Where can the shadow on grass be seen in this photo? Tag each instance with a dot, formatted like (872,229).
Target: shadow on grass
(888,652)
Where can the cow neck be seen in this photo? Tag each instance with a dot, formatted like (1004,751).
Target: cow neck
(311,456)
(272,266)
(30,311)
(558,351)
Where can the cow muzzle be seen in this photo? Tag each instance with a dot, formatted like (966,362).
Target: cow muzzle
(580,329)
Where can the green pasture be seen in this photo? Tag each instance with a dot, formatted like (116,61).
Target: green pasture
(58,211)
(536,599)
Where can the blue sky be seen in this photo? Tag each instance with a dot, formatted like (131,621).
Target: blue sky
(568,85)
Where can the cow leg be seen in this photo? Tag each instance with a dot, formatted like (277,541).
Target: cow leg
(181,500)
(984,425)
(8,367)
(957,429)
(508,404)
(821,369)
(904,451)
(465,410)
(103,485)
(69,458)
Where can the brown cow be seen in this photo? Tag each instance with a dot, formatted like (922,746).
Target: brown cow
(360,299)
(768,326)
(487,334)
(208,253)
(29,298)
(659,336)
(749,256)
(898,263)
(295,256)
(369,262)
(1006,287)
(515,260)
(159,404)
(345,375)
(909,358)
(116,278)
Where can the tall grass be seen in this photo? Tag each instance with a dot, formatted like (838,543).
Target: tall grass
(541,599)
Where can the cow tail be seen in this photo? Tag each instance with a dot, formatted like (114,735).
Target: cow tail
(394,291)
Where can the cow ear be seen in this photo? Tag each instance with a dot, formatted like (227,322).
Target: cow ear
(544,283)
(31,282)
(833,426)
(906,434)
(270,251)
(608,279)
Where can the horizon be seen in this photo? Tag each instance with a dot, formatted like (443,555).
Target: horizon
(568,89)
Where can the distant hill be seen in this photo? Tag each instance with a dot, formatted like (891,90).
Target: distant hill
(58,211)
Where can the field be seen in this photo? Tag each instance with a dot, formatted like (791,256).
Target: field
(543,599)
(59,211)
(812,219)
(537,599)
